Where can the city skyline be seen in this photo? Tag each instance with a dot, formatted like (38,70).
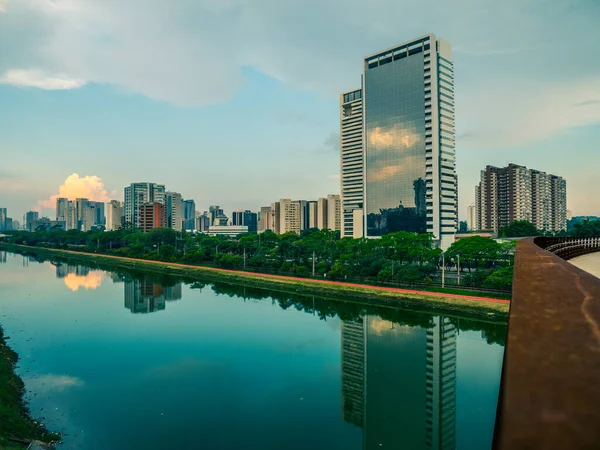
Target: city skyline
(542,111)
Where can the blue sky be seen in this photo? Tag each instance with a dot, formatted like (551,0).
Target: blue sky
(235,102)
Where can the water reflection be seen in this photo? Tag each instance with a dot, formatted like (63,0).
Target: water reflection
(410,398)
(77,276)
(147,296)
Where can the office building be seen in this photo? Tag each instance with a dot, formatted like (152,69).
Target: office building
(203,222)
(265,219)
(174,211)
(3,216)
(227,230)
(189,215)
(289,216)
(99,215)
(217,216)
(114,215)
(16,225)
(8,224)
(334,212)
(322,213)
(151,215)
(352,158)
(247,218)
(137,194)
(471,217)
(311,208)
(31,220)
(507,194)
(406,105)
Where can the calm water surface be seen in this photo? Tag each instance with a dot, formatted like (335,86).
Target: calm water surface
(119,360)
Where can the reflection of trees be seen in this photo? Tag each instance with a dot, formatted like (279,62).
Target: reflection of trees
(401,218)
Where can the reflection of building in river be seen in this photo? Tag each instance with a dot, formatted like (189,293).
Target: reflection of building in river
(396,405)
(2,257)
(62,270)
(146,296)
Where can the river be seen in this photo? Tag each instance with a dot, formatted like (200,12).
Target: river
(590,263)
(117,360)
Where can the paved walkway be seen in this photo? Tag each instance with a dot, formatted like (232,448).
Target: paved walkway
(304,280)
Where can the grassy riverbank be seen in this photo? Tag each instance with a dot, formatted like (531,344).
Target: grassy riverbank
(446,302)
(17,428)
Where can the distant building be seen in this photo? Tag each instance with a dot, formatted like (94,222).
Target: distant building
(227,230)
(352,158)
(114,215)
(8,224)
(512,193)
(217,216)
(322,213)
(265,220)
(174,211)
(3,217)
(189,215)
(31,220)
(247,218)
(471,217)
(16,225)
(312,209)
(151,215)
(289,216)
(203,222)
(138,193)
(334,212)
(99,215)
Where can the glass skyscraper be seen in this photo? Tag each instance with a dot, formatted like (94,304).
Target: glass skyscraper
(408,141)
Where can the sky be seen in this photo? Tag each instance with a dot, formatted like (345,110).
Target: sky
(236,102)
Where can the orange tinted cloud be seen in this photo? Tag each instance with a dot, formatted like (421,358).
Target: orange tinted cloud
(89,281)
(90,187)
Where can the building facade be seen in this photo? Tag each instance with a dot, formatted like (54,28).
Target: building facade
(408,141)
(189,215)
(246,218)
(265,219)
(138,193)
(227,230)
(31,220)
(174,211)
(151,215)
(508,194)
(352,158)
(471,217)
(114,215)
(334,212)
(289,216)
(3,217)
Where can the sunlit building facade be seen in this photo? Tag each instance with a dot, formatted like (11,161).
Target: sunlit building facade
(409,140)
(137,194)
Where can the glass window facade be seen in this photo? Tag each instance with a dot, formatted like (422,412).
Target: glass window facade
(395,146)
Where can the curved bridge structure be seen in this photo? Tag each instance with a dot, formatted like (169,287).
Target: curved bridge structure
(550,389)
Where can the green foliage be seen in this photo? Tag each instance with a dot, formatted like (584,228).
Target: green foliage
(587,228)
(499,279)
(475,251)
(463,227)
(519,228)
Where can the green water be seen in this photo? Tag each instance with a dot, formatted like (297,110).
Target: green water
(121,360)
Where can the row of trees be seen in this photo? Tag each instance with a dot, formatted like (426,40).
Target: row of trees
(401,257)
(523,228)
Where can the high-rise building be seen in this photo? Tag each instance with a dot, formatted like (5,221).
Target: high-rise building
(265,219)
(289,216)
(311,207)
(471,217)
(246,218)
(8,224)
(352,158)
(3,217)
(189,215)
(408,142)
(334,212)
(203,222)
(511,193)
(151,215)
(217,216)
(138,193)
(114,215)
(174,210)
(16,225)
(99,215)
(322,215)
(31,220)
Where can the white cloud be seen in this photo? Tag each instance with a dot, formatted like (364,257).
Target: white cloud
(39,79)
(192,52)
(90,187)
(49,383)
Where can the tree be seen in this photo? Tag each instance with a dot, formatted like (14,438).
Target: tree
(587,228)
(519,228)
(463,227)
(475,250)
(499,279)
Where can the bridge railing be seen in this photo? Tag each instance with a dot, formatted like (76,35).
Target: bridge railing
(550,389)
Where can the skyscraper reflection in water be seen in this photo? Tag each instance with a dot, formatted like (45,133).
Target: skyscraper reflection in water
(396,405)
(147,296)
